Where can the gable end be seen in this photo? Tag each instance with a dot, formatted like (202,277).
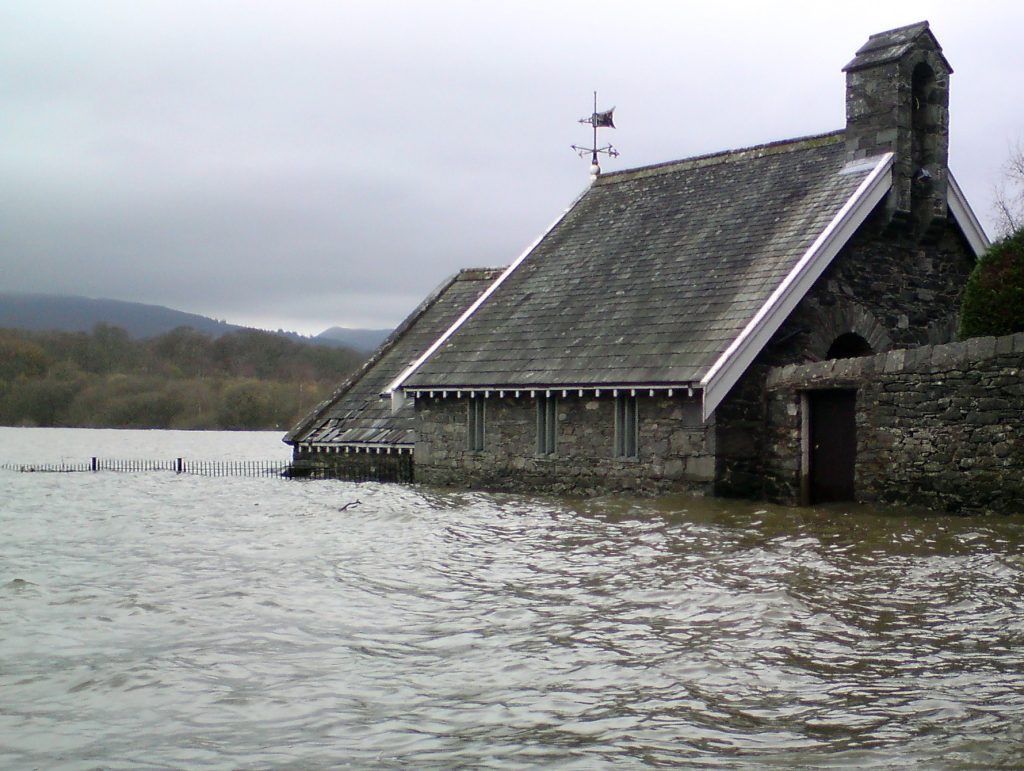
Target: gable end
(741,352)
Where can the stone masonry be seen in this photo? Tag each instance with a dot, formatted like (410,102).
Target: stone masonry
(897,98)
(939,426)
(674,448)
(885,286)
(363,466)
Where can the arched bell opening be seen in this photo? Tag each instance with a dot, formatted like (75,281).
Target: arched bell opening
(923,120)
(849,345)
(925,135)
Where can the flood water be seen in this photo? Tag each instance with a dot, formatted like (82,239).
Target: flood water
(152,620)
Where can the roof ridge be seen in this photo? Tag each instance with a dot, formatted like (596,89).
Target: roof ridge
(895,36)
(481,272)
(726,156)
(893,44)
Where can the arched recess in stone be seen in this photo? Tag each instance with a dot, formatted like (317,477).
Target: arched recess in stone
(923,117)
(924,138)
(848,345)
(829,323)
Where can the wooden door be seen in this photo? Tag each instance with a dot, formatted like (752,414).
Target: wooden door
(833,445)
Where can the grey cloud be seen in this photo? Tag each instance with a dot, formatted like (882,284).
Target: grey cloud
(330,163)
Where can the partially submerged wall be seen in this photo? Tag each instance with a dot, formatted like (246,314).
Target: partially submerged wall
(369,465)
(939,426)
(673,452)
(885,287)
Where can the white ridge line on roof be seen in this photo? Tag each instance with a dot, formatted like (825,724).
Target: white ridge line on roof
(398,381)
(741,352)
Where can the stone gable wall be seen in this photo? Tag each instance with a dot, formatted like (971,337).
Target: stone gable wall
(887,286)
(894,290)
(940,426)
(674,447)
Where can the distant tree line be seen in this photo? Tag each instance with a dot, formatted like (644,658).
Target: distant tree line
(182,379)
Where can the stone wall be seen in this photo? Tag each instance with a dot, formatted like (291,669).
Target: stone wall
(899,280)
(891,288)
(361,466)
(886,286)
(940,426)
(891,107)
(674,452)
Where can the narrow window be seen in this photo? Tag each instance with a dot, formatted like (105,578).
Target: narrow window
(475,424)
(547,416)
(626,427)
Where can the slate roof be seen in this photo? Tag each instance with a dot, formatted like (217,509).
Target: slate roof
(355,415)
(653,273)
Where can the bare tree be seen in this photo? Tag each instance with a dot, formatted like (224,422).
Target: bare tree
(1010,193)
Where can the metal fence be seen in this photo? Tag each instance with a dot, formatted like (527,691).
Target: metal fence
(210,468)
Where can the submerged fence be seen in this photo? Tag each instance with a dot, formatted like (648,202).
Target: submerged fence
(209,468)
(354,467)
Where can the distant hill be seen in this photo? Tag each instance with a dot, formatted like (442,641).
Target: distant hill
(360,339)
(39,312)
(80,314)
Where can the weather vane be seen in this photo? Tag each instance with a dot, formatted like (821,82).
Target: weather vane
(597,120)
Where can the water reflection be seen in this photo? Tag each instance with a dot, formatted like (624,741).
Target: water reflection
(252,623)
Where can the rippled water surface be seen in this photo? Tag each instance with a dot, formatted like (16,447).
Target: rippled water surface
(154,620)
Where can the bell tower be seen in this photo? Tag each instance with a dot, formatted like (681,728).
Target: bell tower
(897,100)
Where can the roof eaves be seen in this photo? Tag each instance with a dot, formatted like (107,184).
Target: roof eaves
(396,384)
(966,219)
(317,412)
(565,389)
(379,446)
(724,373)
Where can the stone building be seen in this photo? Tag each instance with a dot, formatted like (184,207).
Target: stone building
(629,348)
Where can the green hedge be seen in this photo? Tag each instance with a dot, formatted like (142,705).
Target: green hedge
(993,301)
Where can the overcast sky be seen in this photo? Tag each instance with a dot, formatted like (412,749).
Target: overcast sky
(306,164)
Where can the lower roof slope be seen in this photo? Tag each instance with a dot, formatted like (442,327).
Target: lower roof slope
(653,273)
(356,415)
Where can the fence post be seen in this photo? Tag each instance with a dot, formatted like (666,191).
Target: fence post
(177,466)
(94,463)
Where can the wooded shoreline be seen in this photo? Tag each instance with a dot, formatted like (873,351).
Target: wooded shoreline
(184,379)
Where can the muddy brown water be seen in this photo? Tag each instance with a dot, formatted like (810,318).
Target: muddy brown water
(155,620)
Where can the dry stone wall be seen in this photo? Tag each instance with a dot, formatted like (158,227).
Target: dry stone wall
(940,426)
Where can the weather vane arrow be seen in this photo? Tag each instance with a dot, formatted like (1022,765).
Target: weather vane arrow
(597,120)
